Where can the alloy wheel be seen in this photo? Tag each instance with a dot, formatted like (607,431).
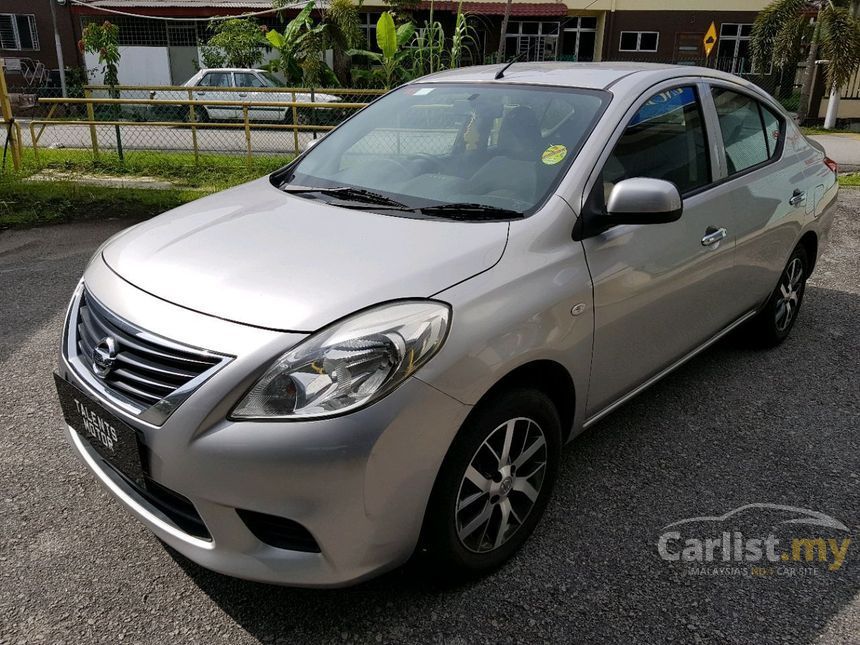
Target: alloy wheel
(788,299)
(501,485)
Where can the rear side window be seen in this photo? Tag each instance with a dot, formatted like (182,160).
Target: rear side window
(665,139)
(750,131)
(248,80)
(772,129)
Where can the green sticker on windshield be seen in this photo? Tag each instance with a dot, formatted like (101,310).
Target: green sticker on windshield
(554,154)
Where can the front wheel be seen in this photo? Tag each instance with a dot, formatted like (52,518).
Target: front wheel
(494,484)
(773,323)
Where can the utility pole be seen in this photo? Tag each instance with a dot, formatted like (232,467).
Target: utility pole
(59,47)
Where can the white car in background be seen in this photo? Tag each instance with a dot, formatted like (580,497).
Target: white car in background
(238,84)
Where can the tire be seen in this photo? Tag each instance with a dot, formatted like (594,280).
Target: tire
(451,544)
(772,325)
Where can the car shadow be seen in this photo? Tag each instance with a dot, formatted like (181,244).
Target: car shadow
(732,427)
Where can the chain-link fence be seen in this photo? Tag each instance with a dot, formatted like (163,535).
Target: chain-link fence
(187,124)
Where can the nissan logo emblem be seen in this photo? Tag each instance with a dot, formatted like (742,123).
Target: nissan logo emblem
(104,355)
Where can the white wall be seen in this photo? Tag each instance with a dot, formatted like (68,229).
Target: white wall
(137,66)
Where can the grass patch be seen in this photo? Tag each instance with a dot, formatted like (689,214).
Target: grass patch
(35,203)
(817,130)
(849,179)
(214,171)
(25,204)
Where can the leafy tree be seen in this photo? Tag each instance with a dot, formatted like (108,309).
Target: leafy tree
(301,46)
(103,39)
(781,29)
(391,41)
(237,42)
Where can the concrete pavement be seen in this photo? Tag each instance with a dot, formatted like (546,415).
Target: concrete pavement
(843,148)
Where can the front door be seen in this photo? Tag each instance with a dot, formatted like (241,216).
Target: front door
(211,84)
(660,290)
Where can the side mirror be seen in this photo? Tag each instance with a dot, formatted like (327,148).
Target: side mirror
(643,200)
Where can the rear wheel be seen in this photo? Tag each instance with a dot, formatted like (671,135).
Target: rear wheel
(494,484)
(773,323)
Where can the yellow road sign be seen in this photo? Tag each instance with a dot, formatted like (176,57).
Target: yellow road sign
(710,39)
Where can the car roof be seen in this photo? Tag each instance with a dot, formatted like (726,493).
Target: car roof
(598,76)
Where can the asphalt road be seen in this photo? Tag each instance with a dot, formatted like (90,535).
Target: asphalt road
(733,427)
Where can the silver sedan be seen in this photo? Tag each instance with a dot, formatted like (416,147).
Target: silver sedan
(380,349)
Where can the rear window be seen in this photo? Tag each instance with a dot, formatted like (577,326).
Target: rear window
(750,131)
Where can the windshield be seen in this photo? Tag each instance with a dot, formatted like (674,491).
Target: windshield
(500,146)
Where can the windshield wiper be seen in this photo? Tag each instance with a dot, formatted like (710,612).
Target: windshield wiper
(470,211)
(348,193)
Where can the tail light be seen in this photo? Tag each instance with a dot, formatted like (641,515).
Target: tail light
(831,164)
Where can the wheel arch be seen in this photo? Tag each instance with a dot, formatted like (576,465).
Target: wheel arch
(809,241)
(548,376)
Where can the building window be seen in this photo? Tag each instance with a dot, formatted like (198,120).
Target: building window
(639,41)
(733,48)
(532,39)
(18,32)
(578,39)
(368,26)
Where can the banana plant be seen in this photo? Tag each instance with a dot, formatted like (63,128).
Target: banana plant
(391,41)
(300,46)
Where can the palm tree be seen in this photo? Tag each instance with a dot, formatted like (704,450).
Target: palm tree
(343,33)
(505,18)
(831,28)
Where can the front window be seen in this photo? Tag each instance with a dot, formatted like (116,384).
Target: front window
(424,145)
(215,79)
(665,139)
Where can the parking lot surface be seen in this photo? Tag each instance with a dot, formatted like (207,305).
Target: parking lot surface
(732,427)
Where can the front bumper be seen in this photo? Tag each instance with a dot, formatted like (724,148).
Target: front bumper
(359,483)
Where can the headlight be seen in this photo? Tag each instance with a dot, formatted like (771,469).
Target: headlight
(350,364)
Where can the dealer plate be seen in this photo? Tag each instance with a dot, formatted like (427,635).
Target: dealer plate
(114,440)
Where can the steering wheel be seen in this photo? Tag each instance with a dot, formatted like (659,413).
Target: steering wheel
(422,158)
(396,164)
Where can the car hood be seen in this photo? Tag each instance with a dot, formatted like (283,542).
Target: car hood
(258,256)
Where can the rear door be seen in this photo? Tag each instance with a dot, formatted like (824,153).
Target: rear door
(773,189)
(249,84)
(660,290)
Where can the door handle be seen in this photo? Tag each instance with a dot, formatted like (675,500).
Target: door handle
(797,198)
(243,94)
(201,93)
(713,235)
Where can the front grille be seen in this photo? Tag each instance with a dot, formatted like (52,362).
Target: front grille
(146,370)
(279,532)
